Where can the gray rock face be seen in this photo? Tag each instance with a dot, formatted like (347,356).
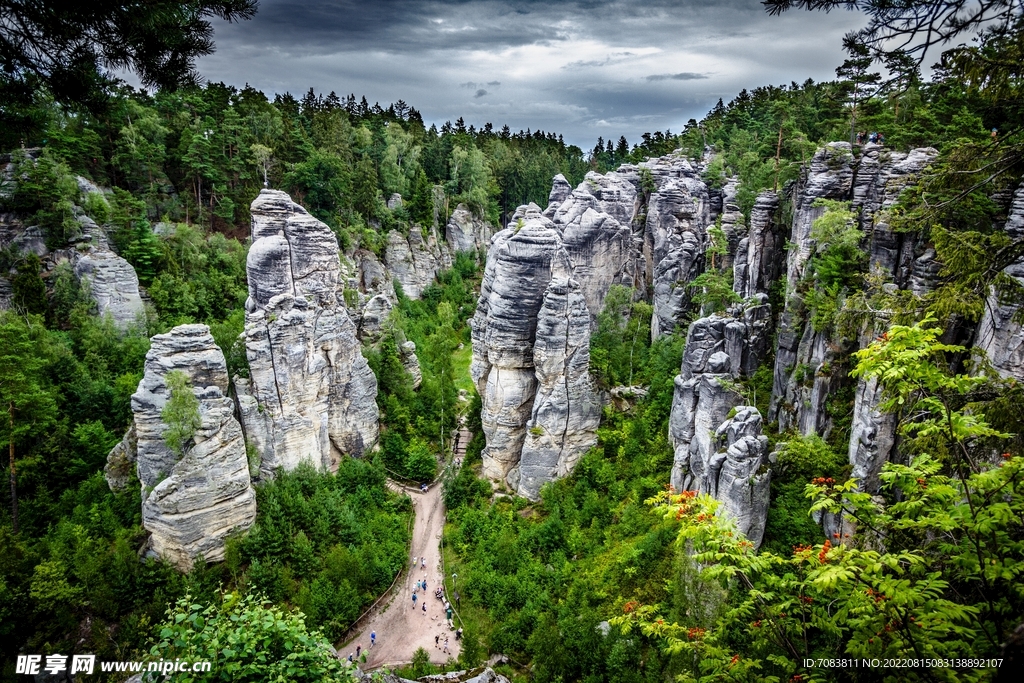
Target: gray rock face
(678,215)
(113,285)
(872,182)
(504,328)
(121,461)
(308,376)
(999,335)
(594,223)
(191,501)
(719,350)
(411,363)
(759,253)
(545,282)
(414,260)
(466,232)
(566,410)
(872,435)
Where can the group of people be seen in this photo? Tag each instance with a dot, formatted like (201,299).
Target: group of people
(872,137)
(353,656)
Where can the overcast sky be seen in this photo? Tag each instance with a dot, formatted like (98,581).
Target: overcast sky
(582,68)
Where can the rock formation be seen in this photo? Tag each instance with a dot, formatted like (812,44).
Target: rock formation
(999,334)
(415,261)
(566,410)
(466,232)
(545,282)
(715,452)
(112,282)
(314,393)
(192,501)
(504,328)
(872,182)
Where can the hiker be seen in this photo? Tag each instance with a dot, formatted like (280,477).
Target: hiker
(995,134)
(458,634)
(424,608)
(423,563)
(437,641)
(414,599)
(873,138)
(414,559)
(373,638)
(881,139)
(349,657)
(358,650)
(860,137)
(424,584)
(446,645)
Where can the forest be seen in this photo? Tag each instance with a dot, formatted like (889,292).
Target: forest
(610,576)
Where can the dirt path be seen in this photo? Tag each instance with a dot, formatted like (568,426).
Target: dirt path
(402,628)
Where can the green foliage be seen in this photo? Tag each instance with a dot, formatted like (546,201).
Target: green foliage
(180,413)
(47,191)
(329,544)
(620,346)
(945,580)
(244,639)
(836,268)
(713,290)
(28,292)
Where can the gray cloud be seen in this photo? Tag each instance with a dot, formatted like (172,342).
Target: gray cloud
(580,67)
(682,76)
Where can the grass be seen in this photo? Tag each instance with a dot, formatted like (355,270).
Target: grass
(460,362)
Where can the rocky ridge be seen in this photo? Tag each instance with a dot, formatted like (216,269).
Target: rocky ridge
(191,501)
(311,395)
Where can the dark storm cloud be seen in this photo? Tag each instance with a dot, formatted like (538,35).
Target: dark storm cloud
(582,68)
(684,76)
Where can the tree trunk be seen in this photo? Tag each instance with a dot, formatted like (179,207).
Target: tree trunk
(14,485)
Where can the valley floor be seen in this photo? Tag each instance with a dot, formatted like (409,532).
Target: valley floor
(401,626)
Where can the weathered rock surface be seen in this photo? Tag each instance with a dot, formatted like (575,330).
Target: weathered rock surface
(411,363)
(872,435)
(504,326)
(113,285)
(466,232)
(999,335)
(720,350)
(566,410)
(191,501)
(678,215)
(414,260)
(308,376)
(805,359)
(758,260)
(594,223)
(547,274)
(121,461)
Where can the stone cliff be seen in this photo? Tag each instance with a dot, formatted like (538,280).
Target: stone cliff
(719,448)
(805,359)
(311,395)
(191,501)
(643,226)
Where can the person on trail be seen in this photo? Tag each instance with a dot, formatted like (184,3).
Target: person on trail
(423,563)
(414,599)
(446,645)
(359,649)
(373,638)
(349,657)
(414,559)
(424,584)
(437,641)
(881,139)
(424,608)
